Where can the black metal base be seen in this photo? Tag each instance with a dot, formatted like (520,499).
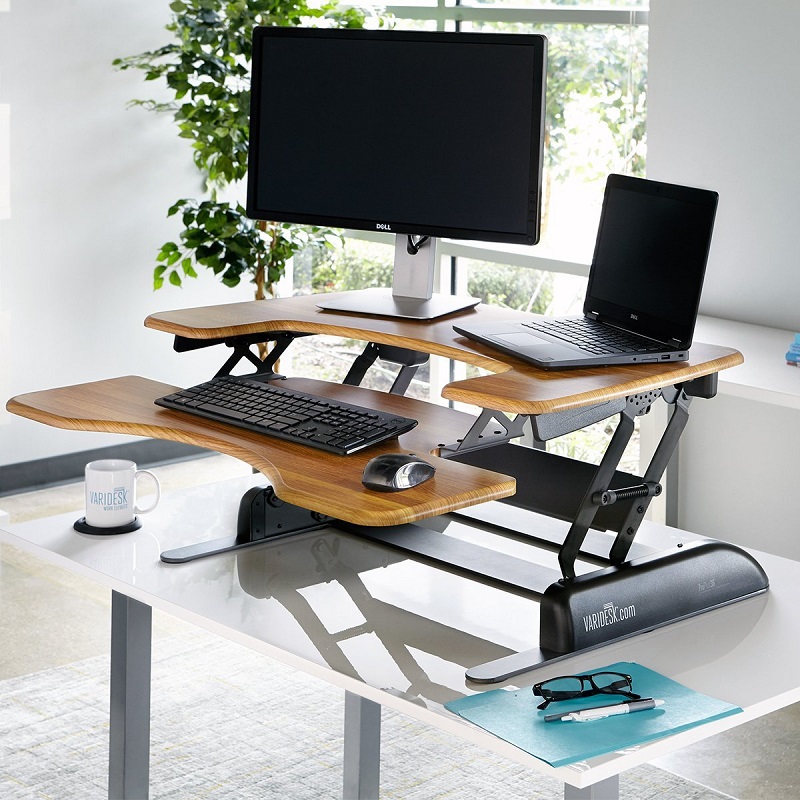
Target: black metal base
(621,601)
(262,516)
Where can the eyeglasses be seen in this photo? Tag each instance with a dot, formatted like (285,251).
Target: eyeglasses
(567,687)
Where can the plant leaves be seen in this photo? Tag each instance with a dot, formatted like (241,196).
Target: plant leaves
(206,68)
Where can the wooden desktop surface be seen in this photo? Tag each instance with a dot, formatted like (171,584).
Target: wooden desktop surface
(314,479)
(511,385)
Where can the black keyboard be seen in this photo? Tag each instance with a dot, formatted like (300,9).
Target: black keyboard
(594,337)
(268,408)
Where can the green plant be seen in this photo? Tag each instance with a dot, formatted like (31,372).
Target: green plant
(206,68)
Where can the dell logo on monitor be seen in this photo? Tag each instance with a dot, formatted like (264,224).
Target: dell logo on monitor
(382,226)
(634,316)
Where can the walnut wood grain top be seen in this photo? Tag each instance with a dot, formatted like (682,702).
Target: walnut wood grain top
(311,478)
(511,385)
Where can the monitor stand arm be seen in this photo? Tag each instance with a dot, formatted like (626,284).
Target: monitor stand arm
(416,263)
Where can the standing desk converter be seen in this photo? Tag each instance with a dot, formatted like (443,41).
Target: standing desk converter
(476,462)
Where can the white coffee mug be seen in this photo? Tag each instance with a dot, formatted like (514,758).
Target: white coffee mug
(111,492)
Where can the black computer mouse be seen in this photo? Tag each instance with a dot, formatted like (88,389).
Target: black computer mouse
(392,472)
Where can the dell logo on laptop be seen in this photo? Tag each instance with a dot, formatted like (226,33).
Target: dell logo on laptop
(634,316)
(382,226)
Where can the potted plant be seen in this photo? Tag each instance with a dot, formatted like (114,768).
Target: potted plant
(207,69)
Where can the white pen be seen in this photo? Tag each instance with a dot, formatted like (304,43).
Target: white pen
(600,712)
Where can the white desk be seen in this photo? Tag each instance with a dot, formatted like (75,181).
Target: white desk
(764,376)
(406,631)
(738,458)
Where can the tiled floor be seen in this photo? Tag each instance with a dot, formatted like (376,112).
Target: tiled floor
(757,761)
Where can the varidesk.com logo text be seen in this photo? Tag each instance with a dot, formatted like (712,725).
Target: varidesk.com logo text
(610,614)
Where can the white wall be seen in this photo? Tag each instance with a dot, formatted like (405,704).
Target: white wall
(90,183)
(724,113)
(738,474)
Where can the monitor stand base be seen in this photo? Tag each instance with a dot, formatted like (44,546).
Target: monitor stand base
(416,265)
(382,303)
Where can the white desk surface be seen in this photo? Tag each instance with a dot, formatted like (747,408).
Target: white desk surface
(765,376)
(400,633)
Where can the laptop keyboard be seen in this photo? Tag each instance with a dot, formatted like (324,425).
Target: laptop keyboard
(288,414)
(595,338)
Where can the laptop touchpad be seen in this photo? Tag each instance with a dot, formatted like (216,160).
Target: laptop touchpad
(520,339)
(534,347)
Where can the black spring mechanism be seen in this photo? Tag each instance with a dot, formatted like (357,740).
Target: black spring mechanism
(611,496)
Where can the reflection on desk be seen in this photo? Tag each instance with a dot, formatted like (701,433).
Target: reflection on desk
(324,582)
(358,608)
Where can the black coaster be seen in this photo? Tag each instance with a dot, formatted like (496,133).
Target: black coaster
(83,527)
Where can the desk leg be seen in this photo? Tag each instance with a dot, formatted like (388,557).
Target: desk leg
(129,740)
(362,748)
(602,790)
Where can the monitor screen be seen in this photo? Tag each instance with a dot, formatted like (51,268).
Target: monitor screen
(434,134)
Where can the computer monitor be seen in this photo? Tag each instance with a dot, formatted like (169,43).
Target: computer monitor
(420,134)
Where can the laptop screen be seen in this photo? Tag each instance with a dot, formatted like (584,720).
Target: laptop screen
(650,257)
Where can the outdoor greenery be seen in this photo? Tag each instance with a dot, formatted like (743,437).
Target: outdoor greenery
(206,69)
(357,265)
(511,287)
(590,66)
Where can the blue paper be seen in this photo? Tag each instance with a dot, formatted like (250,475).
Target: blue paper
(514,717)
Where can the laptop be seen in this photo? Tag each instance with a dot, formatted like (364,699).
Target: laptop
(644,284)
